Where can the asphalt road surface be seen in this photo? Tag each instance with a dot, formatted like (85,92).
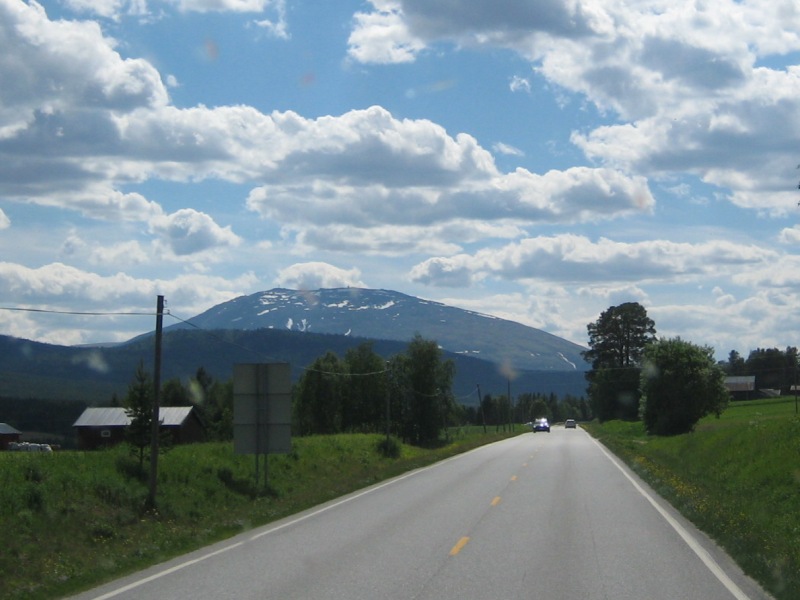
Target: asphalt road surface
(545,516)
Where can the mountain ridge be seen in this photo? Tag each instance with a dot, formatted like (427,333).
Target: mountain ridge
(298,327)
(391,315)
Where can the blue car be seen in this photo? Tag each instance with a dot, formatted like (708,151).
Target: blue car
(541,425)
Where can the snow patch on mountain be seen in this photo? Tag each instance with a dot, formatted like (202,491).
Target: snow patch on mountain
(566,360)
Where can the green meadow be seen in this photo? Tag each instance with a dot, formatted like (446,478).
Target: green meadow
(737,478)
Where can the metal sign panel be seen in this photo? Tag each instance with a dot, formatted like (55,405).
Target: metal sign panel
(262,408)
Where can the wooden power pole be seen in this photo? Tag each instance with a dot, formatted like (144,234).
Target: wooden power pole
(156,424)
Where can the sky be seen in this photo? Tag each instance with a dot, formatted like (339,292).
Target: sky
(540,161)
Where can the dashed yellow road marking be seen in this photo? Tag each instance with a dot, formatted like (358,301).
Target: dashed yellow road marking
(513,478)
(459,546)
(496,501)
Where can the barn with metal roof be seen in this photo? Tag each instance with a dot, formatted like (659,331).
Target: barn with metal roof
(740,386)
(8,434)
(99,427)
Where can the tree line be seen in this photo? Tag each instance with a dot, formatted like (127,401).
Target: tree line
(499,411)
(408,396)
(772,368)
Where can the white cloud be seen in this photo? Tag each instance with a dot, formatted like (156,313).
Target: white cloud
(278,26)
(119,255)
(188,231)
(471,190)
(519,84)
(577,260)
(790,235)
(52,66)
(454,271)
(362,169)
(386,240)
(109,9)
(226,5)
(507,149)
(315,275)
(5,222)
(60,287)
(383,36)
(685,78)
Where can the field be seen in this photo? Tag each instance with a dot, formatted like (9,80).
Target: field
(736,477)
(72,520)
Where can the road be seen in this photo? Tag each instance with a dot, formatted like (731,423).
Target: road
(537,516)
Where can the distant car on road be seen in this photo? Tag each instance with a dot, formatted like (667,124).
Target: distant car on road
(570,424)
(541,425)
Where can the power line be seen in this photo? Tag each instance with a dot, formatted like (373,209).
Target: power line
(187,322)
(80,312)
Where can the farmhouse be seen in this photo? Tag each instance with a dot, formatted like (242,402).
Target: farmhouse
(740,386)
(8,435)
(100,427)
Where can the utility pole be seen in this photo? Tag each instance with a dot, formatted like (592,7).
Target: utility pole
(510,408)
(480,405)
(388,403)
(156,422)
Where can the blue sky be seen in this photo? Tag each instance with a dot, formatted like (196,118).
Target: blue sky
(538,161)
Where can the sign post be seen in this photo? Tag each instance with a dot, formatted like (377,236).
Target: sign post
(262,410)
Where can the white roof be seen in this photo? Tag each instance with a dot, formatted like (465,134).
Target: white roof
(7,429)
(740,383)
(116,417)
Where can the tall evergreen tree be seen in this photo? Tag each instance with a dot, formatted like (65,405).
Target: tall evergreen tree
(138,405)
(616,345)
(320,396)
(736,364)
(429,381)
(366,402)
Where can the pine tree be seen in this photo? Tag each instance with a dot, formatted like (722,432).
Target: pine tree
(139,408)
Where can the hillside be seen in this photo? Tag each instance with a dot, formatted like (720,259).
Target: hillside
(93,374)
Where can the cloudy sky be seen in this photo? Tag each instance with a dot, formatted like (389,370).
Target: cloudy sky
(538,160)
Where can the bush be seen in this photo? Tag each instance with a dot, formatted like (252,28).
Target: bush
(389,447)
(680,383)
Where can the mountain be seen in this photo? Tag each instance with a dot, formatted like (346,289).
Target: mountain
(299,327)
(389,315)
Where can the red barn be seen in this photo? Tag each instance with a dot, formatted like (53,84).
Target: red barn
(98,427)
(7,435)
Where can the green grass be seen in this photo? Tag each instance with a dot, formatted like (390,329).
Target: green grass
(71,520)
(737,478)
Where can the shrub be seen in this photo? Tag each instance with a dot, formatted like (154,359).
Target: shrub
(680,383)
(389,447)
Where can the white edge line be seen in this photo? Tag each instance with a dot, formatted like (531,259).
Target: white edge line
(194,561)
(711,564)
(160,574)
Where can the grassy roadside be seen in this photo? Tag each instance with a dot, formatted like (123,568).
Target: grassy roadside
(72,520)
(737,478)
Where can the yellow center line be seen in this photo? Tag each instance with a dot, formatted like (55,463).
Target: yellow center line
(496,501)
(513,478)
(459,546)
